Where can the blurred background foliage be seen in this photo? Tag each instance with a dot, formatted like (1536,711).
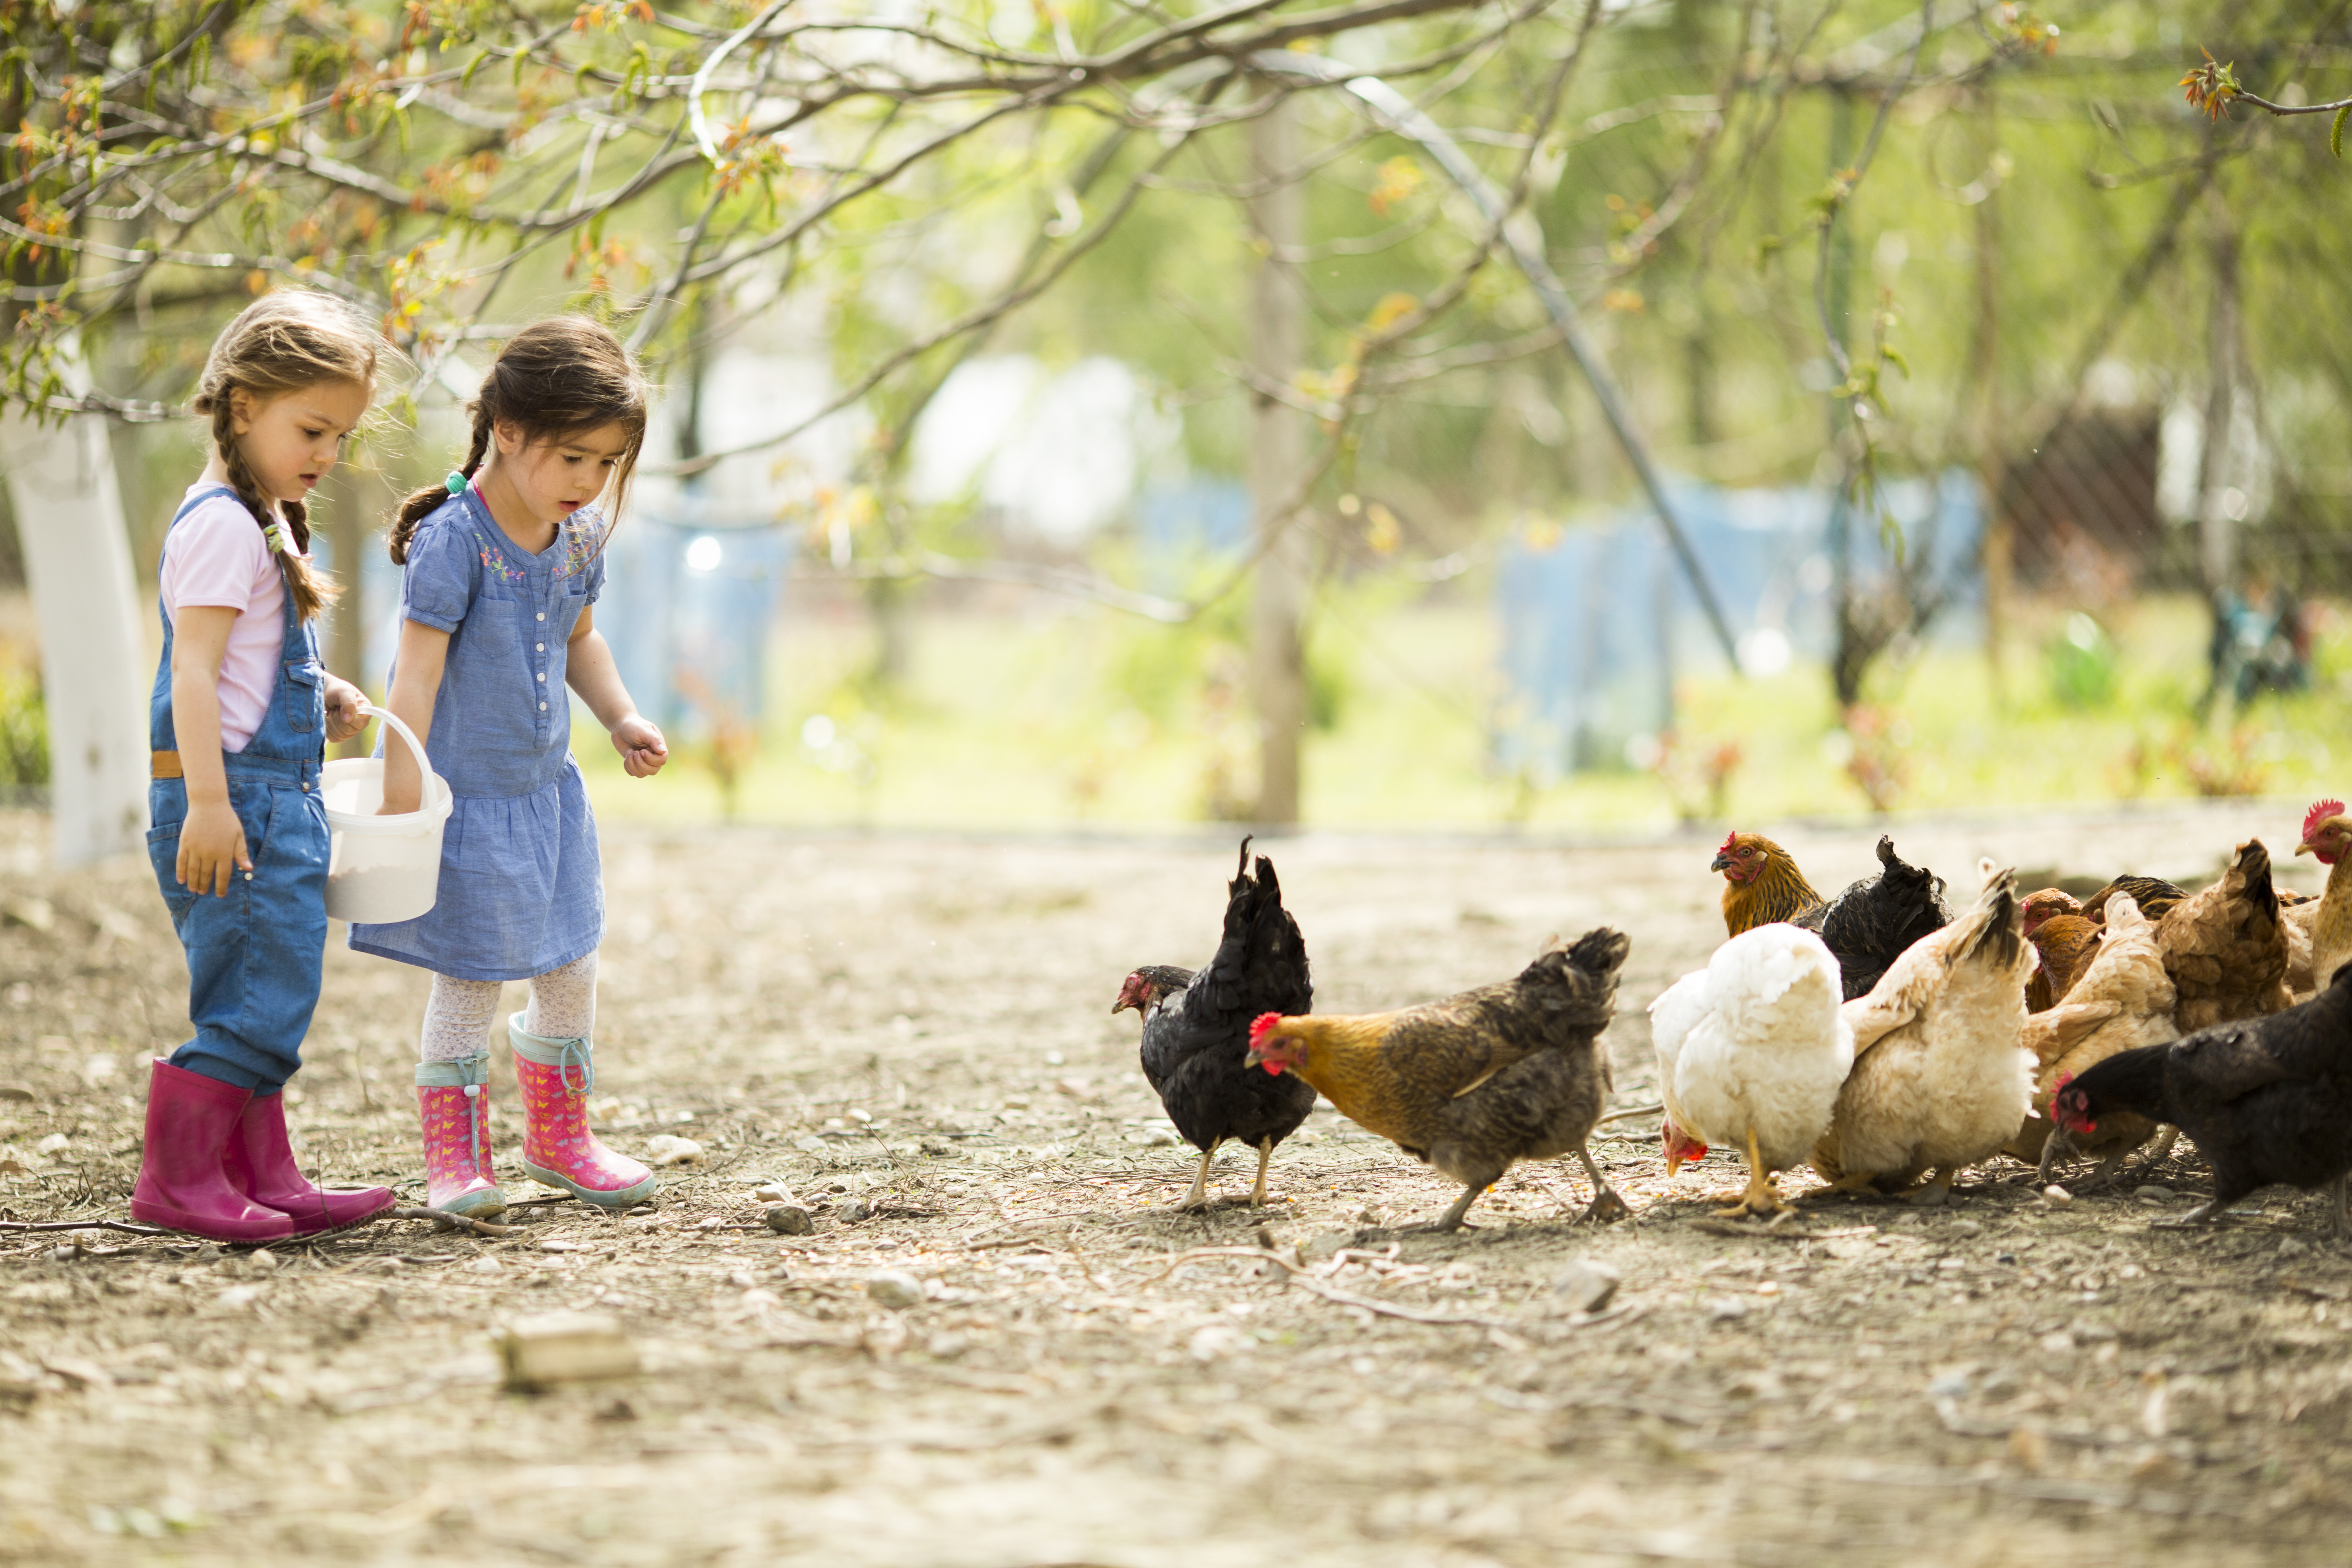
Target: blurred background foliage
(2116,315)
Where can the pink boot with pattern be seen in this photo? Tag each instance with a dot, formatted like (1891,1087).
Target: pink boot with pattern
(454,1099)
(555,1077)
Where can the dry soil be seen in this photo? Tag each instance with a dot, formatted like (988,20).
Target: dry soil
(913,1037)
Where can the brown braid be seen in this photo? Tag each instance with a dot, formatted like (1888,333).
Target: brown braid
(278,344)
(422,504)
(562,376)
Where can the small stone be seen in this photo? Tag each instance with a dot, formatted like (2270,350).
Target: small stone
(895,1291)
(2056,1196)
(238,1296)
(55,1144)
(1726,1309)
(2289,1247)
(484,1266)
(946,1347)
(37,914)
(561,1246)
(1159,1138)
(669,1149)
(2058,1341)
(1953,1384)
(563,1347)
(789,1219)
(1586,1285)
(773,1192)
(2153,1195)
(856,1211)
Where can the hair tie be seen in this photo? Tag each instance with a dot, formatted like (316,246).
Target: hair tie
(456,482)
(274,532)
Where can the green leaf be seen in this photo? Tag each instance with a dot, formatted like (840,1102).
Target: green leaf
(2336,131)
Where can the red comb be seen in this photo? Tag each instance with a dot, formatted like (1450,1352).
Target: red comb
(2059,1088)
(1730,841)
(2321,810)
(1262,1026)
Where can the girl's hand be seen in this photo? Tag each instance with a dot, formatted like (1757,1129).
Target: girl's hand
(212,848)
(643,750)
(344,719)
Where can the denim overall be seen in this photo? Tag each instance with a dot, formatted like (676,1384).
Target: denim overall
(254,956)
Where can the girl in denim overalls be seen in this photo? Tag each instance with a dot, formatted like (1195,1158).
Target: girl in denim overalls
(239,721)
(503,567)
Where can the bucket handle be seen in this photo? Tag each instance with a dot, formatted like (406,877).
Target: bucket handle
(415,749)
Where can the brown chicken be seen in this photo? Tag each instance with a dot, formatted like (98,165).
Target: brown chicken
(2124,1000)
(2064,942)
(1760,884)
(1479,1081)
(2224,947)
(2327,927)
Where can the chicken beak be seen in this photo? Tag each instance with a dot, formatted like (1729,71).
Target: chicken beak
(1719,863)
(2306,847)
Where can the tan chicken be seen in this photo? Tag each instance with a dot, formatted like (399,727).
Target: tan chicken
(1940,1079)
(2124,1000)
(2324,926)
(2224,947)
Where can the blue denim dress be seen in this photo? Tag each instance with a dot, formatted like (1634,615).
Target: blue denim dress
(254,955)
(522,891)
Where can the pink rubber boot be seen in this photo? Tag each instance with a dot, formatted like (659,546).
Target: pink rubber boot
(260,1164)
(453,1100)
(555,1077)
(183,1182)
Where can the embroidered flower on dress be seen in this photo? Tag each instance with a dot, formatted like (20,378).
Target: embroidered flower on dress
(494,561)
(583,536)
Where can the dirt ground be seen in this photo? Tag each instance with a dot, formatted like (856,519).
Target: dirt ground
(913,1037)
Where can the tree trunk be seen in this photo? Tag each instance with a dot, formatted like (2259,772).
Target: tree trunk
(1278,456)
(94,676)
(1999,543)
(2217,528)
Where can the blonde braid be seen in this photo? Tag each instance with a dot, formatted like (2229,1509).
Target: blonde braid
(312,590)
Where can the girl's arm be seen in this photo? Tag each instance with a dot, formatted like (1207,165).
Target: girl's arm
(590,670)
(416,684)
(212,840)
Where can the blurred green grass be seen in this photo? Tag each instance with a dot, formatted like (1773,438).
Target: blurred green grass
(1081,716)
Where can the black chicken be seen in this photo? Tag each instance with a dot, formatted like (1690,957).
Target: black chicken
(1196,1030)
(2268,1099)
(1868,926)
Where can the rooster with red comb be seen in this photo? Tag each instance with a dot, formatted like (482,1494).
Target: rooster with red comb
(2327,838)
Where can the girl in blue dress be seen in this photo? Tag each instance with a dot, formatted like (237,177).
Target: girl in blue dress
(503,567)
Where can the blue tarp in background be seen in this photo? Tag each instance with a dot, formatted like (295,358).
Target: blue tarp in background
(691,598)
(1598,619)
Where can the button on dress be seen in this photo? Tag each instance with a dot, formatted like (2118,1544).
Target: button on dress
(522,889)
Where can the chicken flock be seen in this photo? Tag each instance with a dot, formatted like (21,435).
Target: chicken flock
(1880,1038)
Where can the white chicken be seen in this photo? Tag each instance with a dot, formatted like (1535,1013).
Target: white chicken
(1751,1052)
(1940,1077)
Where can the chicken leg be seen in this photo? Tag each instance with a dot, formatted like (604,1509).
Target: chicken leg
(1760,1198)
(1199,1192)
(1606,1205)
(1451,1218)
(1257,1193)
(1933,1191)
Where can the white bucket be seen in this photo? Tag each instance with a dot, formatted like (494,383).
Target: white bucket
(381,868)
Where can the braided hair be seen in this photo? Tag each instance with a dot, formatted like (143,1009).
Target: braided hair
(280,344)
(564,376)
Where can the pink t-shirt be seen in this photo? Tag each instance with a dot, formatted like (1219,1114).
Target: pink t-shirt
(216,556)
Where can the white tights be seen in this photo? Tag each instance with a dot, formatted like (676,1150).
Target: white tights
(458,1015)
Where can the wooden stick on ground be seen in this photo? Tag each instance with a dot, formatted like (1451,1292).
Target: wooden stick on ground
(478,1227)
(125,1226)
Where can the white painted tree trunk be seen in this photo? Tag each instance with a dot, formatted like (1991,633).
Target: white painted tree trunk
(94,676)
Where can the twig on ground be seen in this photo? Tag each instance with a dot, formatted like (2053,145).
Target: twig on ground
(478,1227)
(125,1226)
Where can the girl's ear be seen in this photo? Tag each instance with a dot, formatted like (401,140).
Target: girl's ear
(509,437)
(240,410)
